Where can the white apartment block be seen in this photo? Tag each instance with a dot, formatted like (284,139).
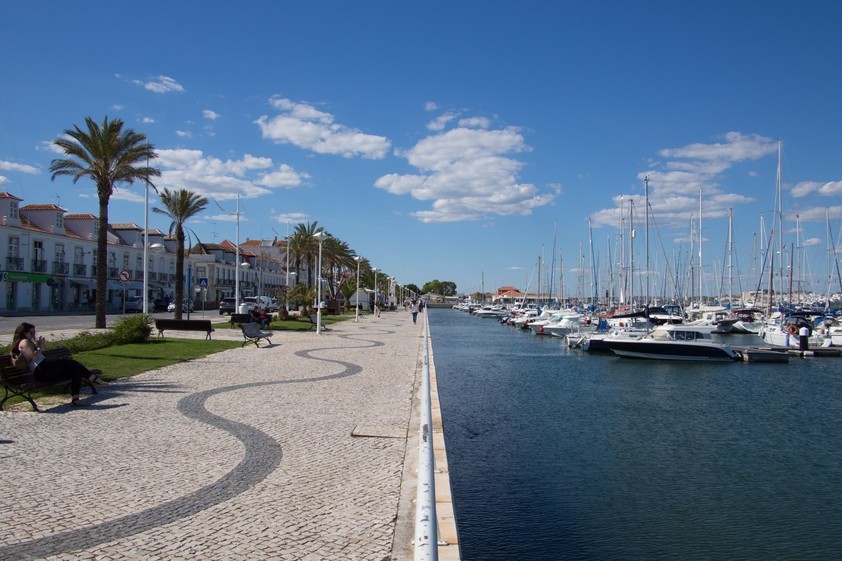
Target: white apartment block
(49,263)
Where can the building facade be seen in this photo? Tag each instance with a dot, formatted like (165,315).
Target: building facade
(49,263)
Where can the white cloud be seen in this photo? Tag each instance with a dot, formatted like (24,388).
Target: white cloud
(250,176)
(675,185)
(468,174)
(829,189)
(475,122)
(161,85)
(430,106)
(292,218)
(440,122)
(184,134)
(22,168)
(147,120)
(4,180)
(813,241)
(736,148)
(210,115)
(303,125)
(284,176)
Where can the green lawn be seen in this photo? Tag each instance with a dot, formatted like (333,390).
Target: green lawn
(127,360)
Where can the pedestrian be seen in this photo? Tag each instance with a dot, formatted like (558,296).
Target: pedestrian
(377,306)
(414,311)
(28,349)
(804,338)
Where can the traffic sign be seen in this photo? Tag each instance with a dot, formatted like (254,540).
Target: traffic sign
(203,282)
(125,275)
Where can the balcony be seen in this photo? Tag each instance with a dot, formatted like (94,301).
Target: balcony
(14,263)
(39,265)
(113,272)
(61,268)
(80,269)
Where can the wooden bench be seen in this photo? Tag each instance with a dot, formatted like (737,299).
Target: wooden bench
(184,325)
(240,319)
(253,334)
(21,383)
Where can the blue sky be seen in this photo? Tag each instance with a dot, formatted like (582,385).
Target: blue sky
(447,140)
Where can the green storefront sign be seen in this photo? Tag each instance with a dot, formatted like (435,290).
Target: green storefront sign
(12,276)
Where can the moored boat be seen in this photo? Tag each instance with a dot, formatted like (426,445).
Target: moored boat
(673,342)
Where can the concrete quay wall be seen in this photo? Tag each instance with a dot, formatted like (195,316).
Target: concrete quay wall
(303,450)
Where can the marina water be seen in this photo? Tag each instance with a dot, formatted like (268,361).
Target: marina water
(559,454)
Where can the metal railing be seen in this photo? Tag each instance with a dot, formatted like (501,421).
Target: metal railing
(426,524)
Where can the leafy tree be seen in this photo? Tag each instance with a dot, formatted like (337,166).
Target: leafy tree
(179,206)
(445,288)
(108,155)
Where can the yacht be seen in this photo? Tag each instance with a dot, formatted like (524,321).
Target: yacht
(673,342)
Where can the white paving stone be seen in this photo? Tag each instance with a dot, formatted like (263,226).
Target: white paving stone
(246,454)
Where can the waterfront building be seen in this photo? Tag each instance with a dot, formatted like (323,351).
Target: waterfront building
(49,263)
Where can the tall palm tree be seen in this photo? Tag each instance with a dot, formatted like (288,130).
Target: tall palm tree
(179,206)
(305,248)
(108,155)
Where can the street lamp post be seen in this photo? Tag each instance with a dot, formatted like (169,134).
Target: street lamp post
(375,289)
(321,236)
(357,292)
(287,292)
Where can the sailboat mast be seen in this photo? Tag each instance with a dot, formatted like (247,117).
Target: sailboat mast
(631,250)
(701,274)
(646,197)
(730,256)
(780,209)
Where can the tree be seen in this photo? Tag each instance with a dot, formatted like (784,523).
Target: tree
(305,248)
(445,288)
(179,206)
(108,155)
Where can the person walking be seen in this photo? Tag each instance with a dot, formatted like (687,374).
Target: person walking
(414,311)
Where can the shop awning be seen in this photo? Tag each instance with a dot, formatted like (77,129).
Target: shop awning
(132,285)
(87,283)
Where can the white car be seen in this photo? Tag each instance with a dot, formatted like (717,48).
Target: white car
(135,304)
(184,306)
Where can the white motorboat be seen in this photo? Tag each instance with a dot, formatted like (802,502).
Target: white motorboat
(673,342)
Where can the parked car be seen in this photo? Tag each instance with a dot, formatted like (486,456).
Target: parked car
(135,304)
(226,306)
(186,305)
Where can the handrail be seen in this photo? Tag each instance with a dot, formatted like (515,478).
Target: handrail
(426,527)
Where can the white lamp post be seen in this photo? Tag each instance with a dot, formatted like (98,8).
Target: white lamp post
(375,289)
(357,292)
(321,236)
(244,266)
(292,274)
(155,248)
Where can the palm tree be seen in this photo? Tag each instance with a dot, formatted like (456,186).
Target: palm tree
(108,155)
(179,206)
(305,248)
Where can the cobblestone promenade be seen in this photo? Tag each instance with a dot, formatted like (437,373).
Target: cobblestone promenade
(294,451)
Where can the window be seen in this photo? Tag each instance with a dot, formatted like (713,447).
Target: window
(60,252)
(14,247)
(59,221)
(13,210)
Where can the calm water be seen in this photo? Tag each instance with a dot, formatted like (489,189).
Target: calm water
(557,454)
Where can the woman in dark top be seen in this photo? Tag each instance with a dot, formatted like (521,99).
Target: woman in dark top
(27,344)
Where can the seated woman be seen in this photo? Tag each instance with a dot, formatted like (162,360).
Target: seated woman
(25,343)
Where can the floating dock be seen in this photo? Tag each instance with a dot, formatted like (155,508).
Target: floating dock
(782,354)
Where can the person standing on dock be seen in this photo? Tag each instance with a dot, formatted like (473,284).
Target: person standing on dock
(803,338)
